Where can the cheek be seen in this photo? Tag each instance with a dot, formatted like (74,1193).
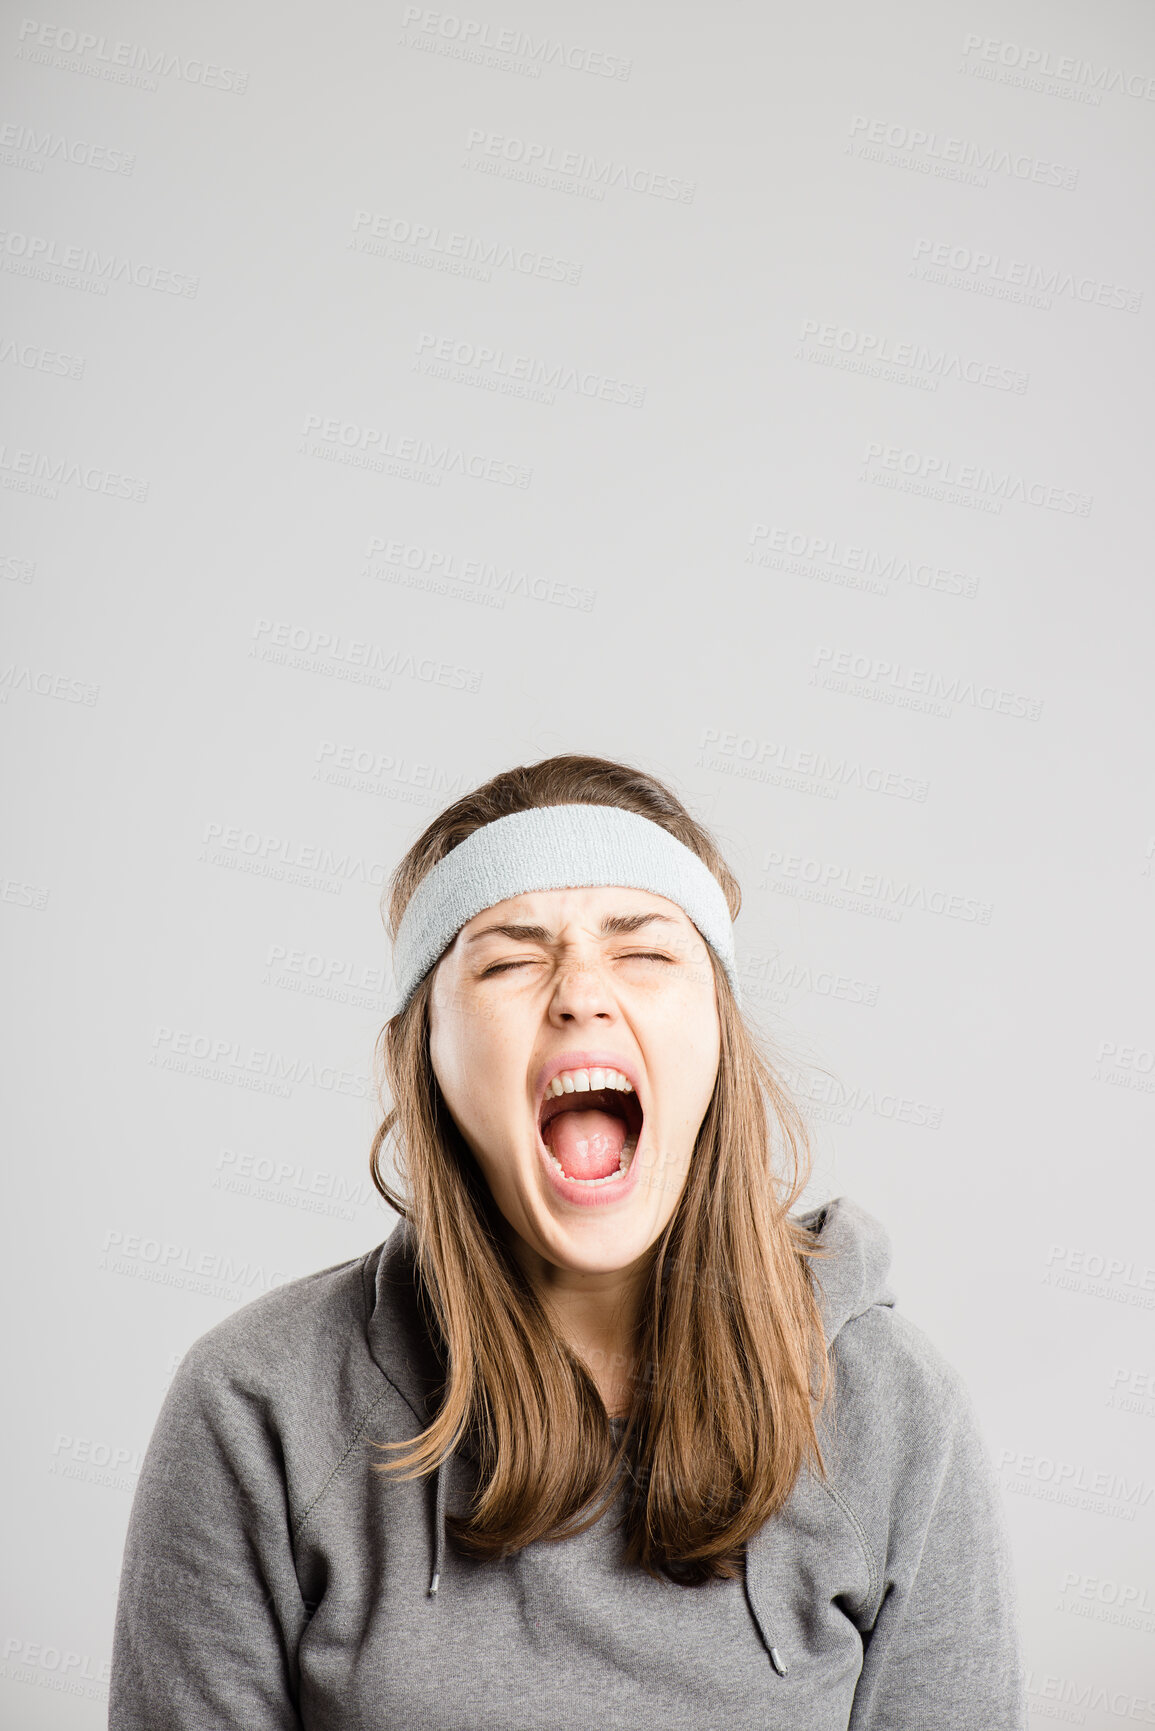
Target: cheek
(687,1021)
(472,1065)
(452,1057)
(693,1043)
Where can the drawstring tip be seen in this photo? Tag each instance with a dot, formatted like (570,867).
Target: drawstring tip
(778,1662)
(433,1584)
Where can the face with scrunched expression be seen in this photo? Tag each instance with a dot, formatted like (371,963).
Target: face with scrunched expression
(574,1034)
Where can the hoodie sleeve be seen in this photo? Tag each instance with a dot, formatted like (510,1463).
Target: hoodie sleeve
(943,1647)
(210,1610)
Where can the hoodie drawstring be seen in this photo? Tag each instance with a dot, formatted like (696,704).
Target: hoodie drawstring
(777,1661)
(438,1524)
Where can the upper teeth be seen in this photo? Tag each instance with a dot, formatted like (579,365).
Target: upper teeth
(588,1081)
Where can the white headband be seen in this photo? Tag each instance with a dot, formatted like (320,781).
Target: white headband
(555,847)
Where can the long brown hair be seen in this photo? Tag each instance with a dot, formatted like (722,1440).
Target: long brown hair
(730,1341)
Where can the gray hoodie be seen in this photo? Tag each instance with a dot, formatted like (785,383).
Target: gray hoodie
(271,1579)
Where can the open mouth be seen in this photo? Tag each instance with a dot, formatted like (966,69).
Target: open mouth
(591,1136)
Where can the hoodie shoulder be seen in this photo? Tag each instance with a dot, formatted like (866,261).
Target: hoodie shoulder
(881,1356)
(899,1411)
(908,1467)
(283,1383)
(289,1331)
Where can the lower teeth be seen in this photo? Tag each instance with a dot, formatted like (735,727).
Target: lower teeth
(627,1155)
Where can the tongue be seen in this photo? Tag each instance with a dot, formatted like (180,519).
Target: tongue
(587,1143)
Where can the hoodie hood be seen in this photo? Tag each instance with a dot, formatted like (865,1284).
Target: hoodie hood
(850,1277)
(853,1275)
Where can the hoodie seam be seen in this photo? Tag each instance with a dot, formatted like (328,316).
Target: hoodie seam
(311,1508)
(874,1573)
(368,1284)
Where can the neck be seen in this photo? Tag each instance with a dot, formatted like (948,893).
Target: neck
(596,1314)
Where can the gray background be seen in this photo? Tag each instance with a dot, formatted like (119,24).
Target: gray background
(375,419)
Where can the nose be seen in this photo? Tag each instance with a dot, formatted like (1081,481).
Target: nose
(581,993)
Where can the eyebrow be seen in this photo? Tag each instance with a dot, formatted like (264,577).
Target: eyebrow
(613,925)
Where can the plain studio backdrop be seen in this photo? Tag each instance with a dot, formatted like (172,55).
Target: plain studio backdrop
(757,393)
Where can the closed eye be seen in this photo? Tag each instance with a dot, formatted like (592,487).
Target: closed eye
(630,956)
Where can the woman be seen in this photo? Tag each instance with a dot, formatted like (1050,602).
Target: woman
(601,1435)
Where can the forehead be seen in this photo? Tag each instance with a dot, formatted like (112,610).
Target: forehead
(587,906)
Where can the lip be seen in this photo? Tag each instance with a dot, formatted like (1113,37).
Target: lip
(569,1189)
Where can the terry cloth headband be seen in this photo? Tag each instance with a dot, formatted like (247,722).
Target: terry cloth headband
(555,847)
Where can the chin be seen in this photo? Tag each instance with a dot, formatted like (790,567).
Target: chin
(596,1246)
